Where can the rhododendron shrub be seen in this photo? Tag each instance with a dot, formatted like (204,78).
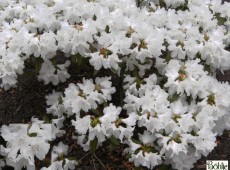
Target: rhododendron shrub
(160,58)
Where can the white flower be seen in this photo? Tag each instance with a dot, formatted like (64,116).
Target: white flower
(173,144)
(99,61)
(23,143)
(145,153)
(82,124)
(2,163)
(204,142)
(185,160)
(59,150)
(11,64)
(48,47)
(104,86)
(70,164)
(185,78)
(87,95)
(54,165)
(114,125)
(149,160)
(54,102)
(48,73)
(75,99)
(111,114)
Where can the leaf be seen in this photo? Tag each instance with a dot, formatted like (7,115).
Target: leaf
(138,168)
(95,112)
(60,101)
(94,17)
(122,65)
(38,63)
(93,145)
(114,141)
(32,134)
(115,71)
(73,59)
(79,59)
(111,147)
(105,104)
(128,156)
(107,29)
(165,167)
(27,73)
(46,119)
(207,68)
(174,97)
(95,72)
(138,2)
(136,141)
(189,99)
(221,21)
(137,151)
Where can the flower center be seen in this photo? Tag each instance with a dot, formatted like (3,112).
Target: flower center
(211,99)
(95,121)
(105,52)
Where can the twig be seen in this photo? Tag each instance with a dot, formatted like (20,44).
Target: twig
(99,161)
(84,156)
(138,2)
(93,163)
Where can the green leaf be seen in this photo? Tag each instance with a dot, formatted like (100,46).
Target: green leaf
(162,3)
(95,112)
(38,63)
(136,141)
(107,29)
(93,145)
(174,97)
(105,104)
(27,73)
(138,2)
(165,167)
(32,134)
(114,71)
(207,68)
(77,58)
(128,156)
(114,141)
(189,99)
(122,65)
(46,119)
(137,151)
(111,147)
(221,21)
(94,17)
(95,72)
(73,59)
(138,168)
(60,101)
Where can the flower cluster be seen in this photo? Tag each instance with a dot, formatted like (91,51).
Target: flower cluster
(157,57)
(25,141)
